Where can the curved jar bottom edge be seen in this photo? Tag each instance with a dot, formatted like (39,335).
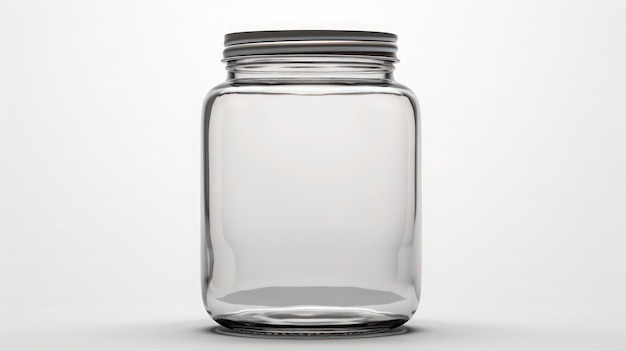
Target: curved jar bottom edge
(313,310)
(312,321)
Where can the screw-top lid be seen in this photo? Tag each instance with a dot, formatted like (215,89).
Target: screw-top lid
(311,42)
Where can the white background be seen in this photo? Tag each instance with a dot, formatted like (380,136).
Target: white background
(524,161)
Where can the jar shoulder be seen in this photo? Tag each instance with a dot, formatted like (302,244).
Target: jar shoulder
(230,88)
(388,87)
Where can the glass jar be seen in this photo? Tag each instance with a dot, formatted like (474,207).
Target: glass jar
(311,168)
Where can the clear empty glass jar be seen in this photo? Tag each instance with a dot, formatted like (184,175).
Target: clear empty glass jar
(311,209)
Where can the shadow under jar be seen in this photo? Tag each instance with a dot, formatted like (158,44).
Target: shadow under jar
(311,167)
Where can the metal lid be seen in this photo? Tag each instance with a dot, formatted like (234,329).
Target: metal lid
(316,42)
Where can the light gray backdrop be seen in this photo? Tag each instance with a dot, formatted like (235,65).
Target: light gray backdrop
(524,161)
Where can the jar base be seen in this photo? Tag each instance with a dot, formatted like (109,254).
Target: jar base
(311,322)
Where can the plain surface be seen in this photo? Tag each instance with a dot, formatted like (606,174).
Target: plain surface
(524,161)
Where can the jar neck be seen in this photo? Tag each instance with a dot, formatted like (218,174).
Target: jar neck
(299,68)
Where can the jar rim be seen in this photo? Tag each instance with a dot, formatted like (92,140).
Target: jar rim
(318,42)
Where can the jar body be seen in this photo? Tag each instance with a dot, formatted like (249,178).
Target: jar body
(311,207)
